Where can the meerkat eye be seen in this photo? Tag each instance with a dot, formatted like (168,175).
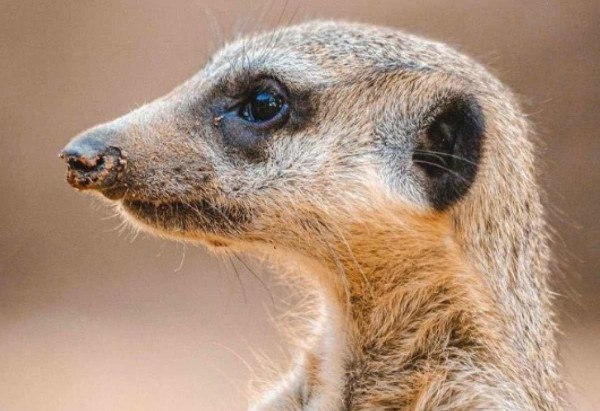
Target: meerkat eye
(264,104)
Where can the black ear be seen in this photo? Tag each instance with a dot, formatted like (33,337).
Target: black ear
(449,148)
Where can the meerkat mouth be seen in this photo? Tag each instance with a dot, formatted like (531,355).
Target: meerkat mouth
(198,215)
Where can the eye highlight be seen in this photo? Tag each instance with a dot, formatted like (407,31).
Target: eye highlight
(264,104)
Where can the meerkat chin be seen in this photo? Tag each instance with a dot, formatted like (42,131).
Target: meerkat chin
(397,172)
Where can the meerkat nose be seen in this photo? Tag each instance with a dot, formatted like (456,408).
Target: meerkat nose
(93,164)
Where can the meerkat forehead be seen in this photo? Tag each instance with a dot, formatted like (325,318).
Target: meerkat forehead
(325,52)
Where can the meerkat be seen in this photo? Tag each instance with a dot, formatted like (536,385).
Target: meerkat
(392,174)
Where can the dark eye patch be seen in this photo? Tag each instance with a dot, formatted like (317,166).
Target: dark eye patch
(247,124)
(248,119)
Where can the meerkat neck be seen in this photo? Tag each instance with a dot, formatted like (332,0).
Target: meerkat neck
(418,260)
(402,299)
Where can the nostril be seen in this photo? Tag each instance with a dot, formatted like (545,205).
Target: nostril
(98,168)
(94,163)
(84,164)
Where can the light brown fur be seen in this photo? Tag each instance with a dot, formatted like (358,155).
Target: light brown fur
(420,308)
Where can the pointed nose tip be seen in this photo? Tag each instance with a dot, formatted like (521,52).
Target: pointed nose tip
(92,164)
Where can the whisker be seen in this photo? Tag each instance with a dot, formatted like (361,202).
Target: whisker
(237,274)
(454,173)
(118,228)
(135,235)
(257,277)
(182,260)
(342,273)
(355,261)
(445,154)
(216,28)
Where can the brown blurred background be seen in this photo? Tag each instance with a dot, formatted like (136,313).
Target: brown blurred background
(90,320)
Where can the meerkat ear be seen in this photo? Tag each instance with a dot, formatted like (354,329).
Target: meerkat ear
(449,148)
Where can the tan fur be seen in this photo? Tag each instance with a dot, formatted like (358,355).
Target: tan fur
(419,309)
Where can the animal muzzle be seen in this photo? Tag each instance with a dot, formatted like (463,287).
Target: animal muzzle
(94,164)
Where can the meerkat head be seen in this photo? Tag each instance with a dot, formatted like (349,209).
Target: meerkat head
(284,132)
(326,137)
